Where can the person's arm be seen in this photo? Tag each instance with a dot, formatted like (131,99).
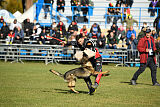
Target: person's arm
(135,21)
(141,45)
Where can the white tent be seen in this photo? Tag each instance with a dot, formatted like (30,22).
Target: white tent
(17,14)
(8,17)
(28,14)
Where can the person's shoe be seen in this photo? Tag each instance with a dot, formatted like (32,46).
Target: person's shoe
(95,85)
(92,91)
(156,84)
(133,82)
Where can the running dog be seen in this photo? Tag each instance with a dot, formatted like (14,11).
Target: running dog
(82,72)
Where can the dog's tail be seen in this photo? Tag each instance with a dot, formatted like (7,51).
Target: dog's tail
(56,73)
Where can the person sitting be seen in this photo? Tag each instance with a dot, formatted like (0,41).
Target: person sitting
(101,41)
(4,31)
(19,36)
(114,28)
(112,41)
(152,6)
(73,28)
(60,5)
(154,34)
(1,22)
(62,29)
(55,37)
(36,32)
(14,26)
(27,27)
(84,30)
(130,32)
(95,31)
(110,11)
(121,34)
(42,36)
(10,37)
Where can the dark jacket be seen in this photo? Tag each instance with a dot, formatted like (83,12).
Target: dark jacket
(60,3)
(5,31)
(72,27)
(103,40)
(98,29)
(156,21)
(142,46)
(133,45)
(112,41)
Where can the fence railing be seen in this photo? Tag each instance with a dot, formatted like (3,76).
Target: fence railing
(55,53)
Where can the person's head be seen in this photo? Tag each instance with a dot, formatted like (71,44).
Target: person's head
(60,23)
(131,28)
(133,36)
(111,34)
(28,20)
(121,28)
(114,24)
(72,23)
(11,32)
(15,21)
(4,23)
(44,30)
(148,33)
(1,20)
(19,28)
(84,27)
(110,4)
(34,21)
(95,25)
(153,32)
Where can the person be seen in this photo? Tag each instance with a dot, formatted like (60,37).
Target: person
(129,22)
(19,36)
(131,47)
(112,41)
(36,32)
(46,6)
(14,26)
(83,30)
(4,31)
(10,37)
(101,41)
(96,63)
(84,8)
(27,27)
(73,28)
(156,24)
(129,3)
(154,34)
(146,47)
(130,32)
(142,33)
(95,31)
(1,22)
(42,36)
(152,9)
(114,28)
(121,34)
(110,11)
(62,29)
(158,6)
(60,5)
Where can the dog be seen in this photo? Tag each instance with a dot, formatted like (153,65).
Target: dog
(82,72)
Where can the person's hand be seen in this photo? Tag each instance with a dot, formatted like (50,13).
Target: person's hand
(147,50)
(58,5)
(110,45)
(62,4)
(130,42)
(18,37)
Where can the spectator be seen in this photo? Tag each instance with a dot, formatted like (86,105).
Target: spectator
(132,45)
(84,30)
(1,22)
(101,41)
(142,33)
(72,41)
(46,6)
(114,28)
(152,6)
(4,31)
(125,12)
(73,28)
(10,37)
(42,36)
(55,40)
(129,22)
(154,34)
(121,34)
(14,26)
(62,29)
(75,9)
(84,8)
(95,31)
(36,32)
(118,13)
(129,3)
(112,41)
(156,24)
(60,5)
(131,32)
(19,36)
(158,6)
(120,2)
(28,27)
(52,28)
(110,11)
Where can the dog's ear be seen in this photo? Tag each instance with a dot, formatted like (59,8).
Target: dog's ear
(78,55)
(89,53)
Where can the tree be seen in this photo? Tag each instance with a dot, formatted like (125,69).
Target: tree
(14,5)
(29,3)
(1,3)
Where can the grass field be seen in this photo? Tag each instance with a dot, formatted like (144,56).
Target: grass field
(32,85)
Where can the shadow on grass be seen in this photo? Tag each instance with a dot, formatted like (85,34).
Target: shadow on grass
(68,91)
(129,83)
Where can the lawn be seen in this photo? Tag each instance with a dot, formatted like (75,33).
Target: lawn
(32,85)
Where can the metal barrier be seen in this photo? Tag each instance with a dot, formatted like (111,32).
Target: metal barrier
(56,53)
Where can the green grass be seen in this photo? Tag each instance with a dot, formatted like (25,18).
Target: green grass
(32,85)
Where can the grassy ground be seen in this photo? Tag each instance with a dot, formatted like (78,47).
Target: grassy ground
(32,85)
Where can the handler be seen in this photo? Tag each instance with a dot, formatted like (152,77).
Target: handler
(96,63)
(146,48)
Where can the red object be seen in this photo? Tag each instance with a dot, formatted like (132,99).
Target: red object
(97,53)
(142,46)
(11,35)
(56,39)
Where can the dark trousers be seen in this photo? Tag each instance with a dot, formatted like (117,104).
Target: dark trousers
(151,64)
